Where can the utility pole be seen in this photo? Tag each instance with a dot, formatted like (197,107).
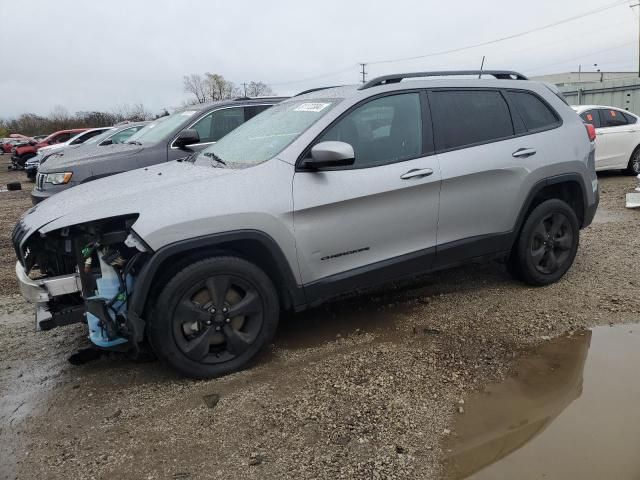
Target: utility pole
(633,6)
(244,85)
(363,72)
(481,67)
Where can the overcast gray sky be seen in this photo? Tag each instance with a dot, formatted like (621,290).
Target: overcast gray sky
(93,55)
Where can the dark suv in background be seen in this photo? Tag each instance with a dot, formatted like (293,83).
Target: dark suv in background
(169,138)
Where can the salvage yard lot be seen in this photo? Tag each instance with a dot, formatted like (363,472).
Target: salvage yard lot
(368,384)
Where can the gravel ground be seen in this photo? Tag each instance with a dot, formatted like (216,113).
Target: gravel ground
(363,388)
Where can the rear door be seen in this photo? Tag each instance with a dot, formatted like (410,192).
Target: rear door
(619,138)
(380,212)
(485,155)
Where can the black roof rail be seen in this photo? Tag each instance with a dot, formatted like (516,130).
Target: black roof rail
(395,78)
(317,89)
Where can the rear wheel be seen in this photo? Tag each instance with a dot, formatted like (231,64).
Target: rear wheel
(634,163)
(547,244)
(214,316)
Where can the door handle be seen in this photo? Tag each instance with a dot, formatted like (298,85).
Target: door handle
(524,153)
(416,173)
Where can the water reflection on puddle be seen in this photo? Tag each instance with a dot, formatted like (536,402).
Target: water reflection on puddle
(571,411)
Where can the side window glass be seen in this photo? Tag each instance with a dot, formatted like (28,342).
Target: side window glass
(62,138)
(124,135)
(384,130)
(224,121)
(252,111)
(612,118)
(630,119)
(215,125)
(533,111)
(592,117)
(467,117)
(203,127)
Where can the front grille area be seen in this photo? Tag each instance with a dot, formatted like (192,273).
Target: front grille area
(40,181)
(19,232)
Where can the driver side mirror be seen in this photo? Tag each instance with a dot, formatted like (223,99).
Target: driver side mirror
(186,137)
(330,154)
(106,142)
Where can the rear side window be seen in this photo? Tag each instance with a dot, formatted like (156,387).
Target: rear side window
(467,117)
(612,118)
(630,118)
(592,117)
(535,114)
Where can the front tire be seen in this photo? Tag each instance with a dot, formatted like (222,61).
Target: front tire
(547,244)
(214,316)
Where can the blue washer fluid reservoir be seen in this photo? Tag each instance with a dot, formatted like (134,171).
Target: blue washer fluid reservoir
(107,287)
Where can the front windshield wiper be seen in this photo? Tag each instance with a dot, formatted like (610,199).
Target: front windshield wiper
(214,157)
(134,142)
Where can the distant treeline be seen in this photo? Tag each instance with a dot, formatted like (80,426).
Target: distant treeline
(60,119)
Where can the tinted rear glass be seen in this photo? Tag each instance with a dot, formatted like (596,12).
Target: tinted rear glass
(592,117)
(535,114)
(468,117)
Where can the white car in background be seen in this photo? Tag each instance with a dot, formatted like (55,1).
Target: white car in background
(617,137)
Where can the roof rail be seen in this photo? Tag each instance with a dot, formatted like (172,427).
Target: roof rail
(317,89)
(395,78)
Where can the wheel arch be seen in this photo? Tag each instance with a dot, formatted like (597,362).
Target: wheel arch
(567,187)
(252,245)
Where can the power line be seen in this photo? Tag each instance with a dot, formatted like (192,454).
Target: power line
(580,57)
(459,49)
(502,39)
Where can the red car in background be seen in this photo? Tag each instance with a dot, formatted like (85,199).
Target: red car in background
(23,153)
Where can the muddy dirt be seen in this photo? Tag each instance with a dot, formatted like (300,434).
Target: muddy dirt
(364,388)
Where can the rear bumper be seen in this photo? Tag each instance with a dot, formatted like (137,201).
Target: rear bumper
(42,290)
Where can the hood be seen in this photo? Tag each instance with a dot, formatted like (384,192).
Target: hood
(87,155)
(127,193)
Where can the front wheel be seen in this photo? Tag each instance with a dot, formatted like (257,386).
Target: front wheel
(547,244)
(214,316)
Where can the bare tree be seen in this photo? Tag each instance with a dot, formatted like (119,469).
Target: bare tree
(196,85)
(258,89)
(219,88)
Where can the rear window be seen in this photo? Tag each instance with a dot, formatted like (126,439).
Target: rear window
(612,118)
(467,117)
(535,114)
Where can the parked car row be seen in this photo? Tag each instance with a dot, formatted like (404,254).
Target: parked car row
(90,138)
(281,204)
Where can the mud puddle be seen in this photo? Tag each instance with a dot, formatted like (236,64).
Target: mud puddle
(569,411)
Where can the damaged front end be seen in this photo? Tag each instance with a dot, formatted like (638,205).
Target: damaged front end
(84,273)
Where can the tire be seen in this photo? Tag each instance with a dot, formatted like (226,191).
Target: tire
(14,186)
(547,244)
(634,163)
(194,330)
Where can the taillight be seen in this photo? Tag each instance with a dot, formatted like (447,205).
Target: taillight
(591,131)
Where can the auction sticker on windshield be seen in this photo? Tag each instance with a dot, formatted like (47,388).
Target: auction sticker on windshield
(311,107)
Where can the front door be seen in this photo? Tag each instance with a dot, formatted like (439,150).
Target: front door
(381,211)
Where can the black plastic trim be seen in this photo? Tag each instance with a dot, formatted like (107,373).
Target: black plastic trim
(149,270)
(370,276)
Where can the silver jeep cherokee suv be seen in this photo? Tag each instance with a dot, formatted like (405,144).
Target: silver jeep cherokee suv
(329,192)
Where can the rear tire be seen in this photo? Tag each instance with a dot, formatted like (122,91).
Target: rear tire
(214,316)
(634,163)
(547,244)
